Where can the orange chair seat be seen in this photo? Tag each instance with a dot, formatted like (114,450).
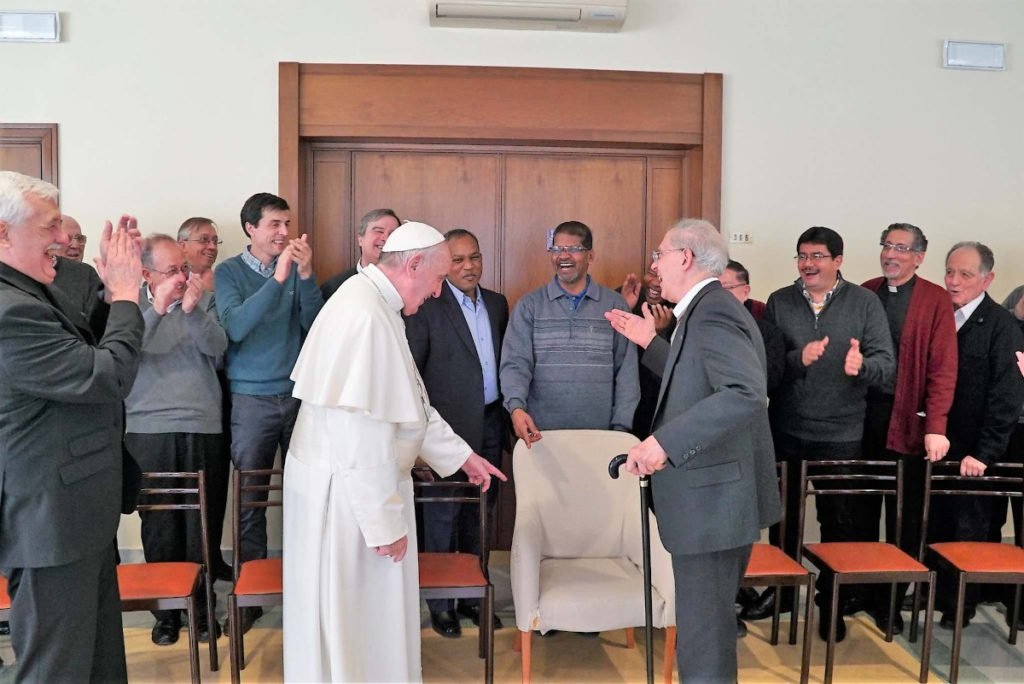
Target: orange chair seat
(982,556)
(450,570)
(259,577)
(5,600)
(852,557)
(766,559)
(139,581)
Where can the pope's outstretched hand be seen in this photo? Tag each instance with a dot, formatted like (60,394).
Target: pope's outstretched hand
(480,471)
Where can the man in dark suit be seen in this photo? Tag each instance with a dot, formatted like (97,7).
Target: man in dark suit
(456,343)
(374,229)
(986,404)
(83,288)
(61,425)
(711,427)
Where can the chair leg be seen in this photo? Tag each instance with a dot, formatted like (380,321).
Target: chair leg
(892,613)
(211,625)
(517,646)
(805,658)
(926,647)
(193,637)
(525,643)
(489,631)
(775,616)
(793,613)
(830,645)
(958,628)
(1014,615)
(670,653)
(236,677)
(630,637)
(916,611)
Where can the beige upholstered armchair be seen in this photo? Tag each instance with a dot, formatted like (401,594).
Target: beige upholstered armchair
(577,561)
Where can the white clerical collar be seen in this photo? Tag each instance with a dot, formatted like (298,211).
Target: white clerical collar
(384,286)
(359,266)
(963,314)
(680,308)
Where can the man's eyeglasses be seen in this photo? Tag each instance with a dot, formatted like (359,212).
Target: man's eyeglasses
(174,270)
(655,255)
(206,240)
(571,249)
(899,249)
(817,256)
(80,239)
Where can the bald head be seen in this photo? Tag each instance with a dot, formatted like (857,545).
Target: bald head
(75,249)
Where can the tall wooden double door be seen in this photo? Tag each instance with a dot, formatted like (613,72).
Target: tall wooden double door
(510,198)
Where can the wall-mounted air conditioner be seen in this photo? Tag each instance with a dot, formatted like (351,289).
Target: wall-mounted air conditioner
(600,15)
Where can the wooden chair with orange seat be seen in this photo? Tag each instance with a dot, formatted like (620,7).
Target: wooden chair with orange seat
(258,582)
(173,585)
(864,562)
(457,575)
(975,562)
(770,566)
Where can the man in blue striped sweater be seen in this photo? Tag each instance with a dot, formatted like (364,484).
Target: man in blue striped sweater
(267,299)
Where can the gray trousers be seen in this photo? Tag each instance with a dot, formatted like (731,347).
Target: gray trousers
(706,586)
(66,621)
(259,426)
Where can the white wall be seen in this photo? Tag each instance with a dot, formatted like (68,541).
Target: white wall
(836,112)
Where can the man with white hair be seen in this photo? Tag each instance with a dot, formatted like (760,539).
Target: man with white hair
(351,607)
(711,427)
(61,426)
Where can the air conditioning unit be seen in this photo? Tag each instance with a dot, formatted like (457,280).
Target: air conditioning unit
(559,15)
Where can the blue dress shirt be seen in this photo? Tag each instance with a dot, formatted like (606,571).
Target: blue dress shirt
(479,324)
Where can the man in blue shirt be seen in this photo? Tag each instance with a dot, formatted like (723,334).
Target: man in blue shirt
(456,343)
(267,299)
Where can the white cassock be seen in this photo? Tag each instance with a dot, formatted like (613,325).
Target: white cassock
(350,615)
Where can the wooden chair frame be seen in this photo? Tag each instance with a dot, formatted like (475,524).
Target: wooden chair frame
(795,580)
(186,603)
(485,592)
(965,577)
(883,485)
(238,601)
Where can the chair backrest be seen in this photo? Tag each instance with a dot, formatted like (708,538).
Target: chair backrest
(258,484)
(448,491)
(850,477)
(943,478)
(165,496)
(562,485)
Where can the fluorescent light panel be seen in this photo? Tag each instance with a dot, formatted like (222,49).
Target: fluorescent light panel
(961,54)
(30,27)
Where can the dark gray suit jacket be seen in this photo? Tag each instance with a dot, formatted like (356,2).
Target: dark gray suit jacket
(443,349)
(61,423)
(82,286)
(332,285)
(719,489)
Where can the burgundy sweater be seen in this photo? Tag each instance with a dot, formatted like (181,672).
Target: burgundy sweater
(926,368)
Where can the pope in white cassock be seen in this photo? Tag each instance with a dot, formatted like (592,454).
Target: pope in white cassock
(351,592)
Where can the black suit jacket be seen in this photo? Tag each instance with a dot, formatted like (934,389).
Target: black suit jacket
(332,285)
(82,287)
(989,387)
(719,488)
(61,423)
(446,356)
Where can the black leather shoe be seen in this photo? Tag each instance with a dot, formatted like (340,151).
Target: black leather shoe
(5,627)
(881,618)
(823,628)
(223,572)
(203,632)
(473,613)
(948,620)
(165,632)
(741,628)
(1020,619)
(764,606)
(249,617)
(446,624)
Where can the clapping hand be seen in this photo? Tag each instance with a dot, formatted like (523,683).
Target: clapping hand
(302,255)
(854,359)
(813,351)
(640,330)
(193,291)
(631,290)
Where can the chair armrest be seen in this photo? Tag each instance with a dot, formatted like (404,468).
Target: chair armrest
(524,564)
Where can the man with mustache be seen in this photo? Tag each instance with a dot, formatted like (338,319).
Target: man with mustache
(374,229)
(173,413)
(267,299)
(562,365)
(838,344)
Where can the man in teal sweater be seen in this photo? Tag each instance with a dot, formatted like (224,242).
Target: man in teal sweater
(267,299)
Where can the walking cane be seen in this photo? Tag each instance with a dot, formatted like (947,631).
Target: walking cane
(645,529)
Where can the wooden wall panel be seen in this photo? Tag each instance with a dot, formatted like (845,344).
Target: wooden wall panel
(608,194)
(332,213)
(30,149)
(447,190)
(664,201)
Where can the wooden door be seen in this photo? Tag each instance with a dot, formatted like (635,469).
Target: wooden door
(30,149)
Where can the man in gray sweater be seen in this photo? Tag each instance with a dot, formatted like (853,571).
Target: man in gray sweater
(562,365)
(173,420)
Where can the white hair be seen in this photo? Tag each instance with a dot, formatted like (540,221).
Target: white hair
(704,240)
(14,187)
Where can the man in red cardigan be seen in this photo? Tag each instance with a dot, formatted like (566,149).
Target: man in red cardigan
(906,417)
